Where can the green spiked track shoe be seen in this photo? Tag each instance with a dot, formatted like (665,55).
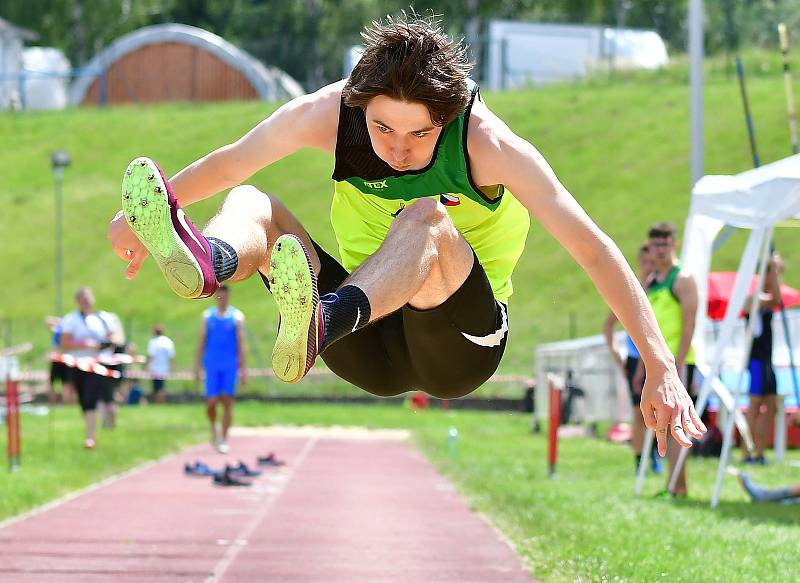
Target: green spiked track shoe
(182,253)
(294,287)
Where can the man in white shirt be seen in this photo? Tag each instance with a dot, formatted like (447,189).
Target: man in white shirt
(86,333)
(160,354)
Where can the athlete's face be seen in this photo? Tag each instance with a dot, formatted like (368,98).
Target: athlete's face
(85,301)
(662,250)
(223,299)
(401,132)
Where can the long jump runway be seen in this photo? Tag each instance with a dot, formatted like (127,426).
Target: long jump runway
(349,506)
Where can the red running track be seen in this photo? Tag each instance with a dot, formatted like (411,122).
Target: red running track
(349,506)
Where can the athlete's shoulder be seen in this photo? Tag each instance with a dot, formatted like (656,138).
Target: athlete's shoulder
(489,139)
(315,116)
(325,100)
(486,130)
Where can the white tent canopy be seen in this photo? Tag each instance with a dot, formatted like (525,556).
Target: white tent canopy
(754,200)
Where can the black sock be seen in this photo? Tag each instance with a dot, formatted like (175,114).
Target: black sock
(344,311)
(223,257)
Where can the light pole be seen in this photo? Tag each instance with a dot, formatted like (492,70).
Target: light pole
(58,161)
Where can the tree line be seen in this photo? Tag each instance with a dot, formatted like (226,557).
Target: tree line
(307,38)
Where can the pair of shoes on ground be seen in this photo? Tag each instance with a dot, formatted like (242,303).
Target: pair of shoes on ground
(270,460)
(229,476)
(185,258)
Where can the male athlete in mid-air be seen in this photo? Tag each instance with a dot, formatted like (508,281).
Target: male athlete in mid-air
(427,226)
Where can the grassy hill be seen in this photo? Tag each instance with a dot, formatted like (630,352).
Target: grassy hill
(621,148)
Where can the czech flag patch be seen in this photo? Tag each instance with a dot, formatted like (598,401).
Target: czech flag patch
(449,199)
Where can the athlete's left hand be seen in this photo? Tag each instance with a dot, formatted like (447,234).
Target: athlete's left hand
(667,408)
(243,375)
(126,244)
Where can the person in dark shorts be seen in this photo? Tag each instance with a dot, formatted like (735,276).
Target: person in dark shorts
(84,333)
(431,208)
(763,385)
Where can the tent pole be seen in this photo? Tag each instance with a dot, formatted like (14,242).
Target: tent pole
(746,266)
(727,439)
(787,80)
(751,132)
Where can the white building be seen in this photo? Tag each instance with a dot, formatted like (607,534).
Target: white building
(12,39)
(525,53)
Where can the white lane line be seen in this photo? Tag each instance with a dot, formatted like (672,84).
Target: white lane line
(234,549)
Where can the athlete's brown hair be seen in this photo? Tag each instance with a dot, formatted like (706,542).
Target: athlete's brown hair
(663,231)
(410,58)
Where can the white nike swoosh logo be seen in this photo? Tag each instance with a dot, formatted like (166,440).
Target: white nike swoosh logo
(182,221)
(358,319)
(495,338)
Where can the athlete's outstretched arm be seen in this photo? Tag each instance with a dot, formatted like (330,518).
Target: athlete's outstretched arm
(307,121)
(498,156)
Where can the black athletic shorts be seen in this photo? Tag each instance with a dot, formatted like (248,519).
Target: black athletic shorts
(158,385)
(90,387)
(762,378)
(631,364)
(60,372)
(448,351)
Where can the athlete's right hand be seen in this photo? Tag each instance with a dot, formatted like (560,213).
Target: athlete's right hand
(126,244)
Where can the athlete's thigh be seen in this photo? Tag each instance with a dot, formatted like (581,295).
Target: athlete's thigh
(457,346)
(284,223)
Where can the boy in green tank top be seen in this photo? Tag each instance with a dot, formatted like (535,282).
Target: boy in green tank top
(426,223)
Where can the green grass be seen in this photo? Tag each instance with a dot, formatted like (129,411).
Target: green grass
(622,148)
(584,525)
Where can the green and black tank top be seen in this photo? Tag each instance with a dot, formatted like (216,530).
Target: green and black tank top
(668,312)
(368,194)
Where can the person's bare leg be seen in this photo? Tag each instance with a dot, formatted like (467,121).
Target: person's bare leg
(227,415)
(250,221)
(765,421)
(754,420)
(673,451)
(422,261)
(637,437)
(69,395)
(211,413)
(90,418)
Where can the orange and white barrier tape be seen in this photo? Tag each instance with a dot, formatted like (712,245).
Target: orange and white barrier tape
(116,359)
(86,364)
